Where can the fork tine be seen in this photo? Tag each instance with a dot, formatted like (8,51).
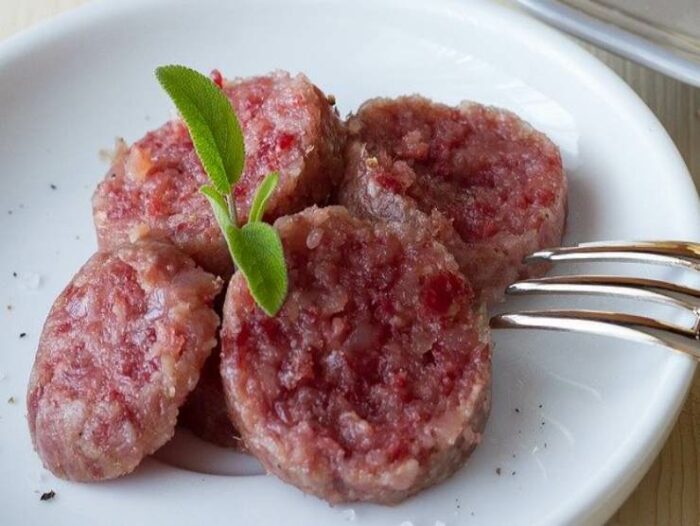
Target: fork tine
(642,283)
(674,253)
(631,288)
(626,326)
(685,249)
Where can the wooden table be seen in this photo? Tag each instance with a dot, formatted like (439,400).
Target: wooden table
(670,492)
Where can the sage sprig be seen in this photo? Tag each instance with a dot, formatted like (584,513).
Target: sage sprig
(256,248)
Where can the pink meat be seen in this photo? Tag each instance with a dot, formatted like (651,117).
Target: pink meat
(497,183)
(152,188)
(373,381)
(205,412)
(121,349)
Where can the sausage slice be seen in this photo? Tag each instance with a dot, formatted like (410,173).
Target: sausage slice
(373,381)
(120,350)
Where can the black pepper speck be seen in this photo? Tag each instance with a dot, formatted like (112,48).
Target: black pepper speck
(48,495)
(22,334)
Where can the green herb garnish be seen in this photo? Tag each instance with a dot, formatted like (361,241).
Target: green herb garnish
(255,247)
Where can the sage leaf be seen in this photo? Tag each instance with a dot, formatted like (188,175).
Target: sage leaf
(262,194)
(212,123)
(256,248)
(257,252)
(219,206)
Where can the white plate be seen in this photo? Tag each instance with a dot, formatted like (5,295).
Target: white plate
(68,87)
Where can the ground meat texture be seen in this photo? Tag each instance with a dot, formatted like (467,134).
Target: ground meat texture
(497,183)
(121,348)
(205,412)
(373,380)
(152,188)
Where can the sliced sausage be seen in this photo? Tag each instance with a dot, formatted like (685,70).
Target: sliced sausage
(373,381)
(120,350)
(205,412)
(152,188)
(497,183)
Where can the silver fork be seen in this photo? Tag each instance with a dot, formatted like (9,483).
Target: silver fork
(641,329)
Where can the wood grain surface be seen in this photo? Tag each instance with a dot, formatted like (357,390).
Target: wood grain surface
(669,495)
